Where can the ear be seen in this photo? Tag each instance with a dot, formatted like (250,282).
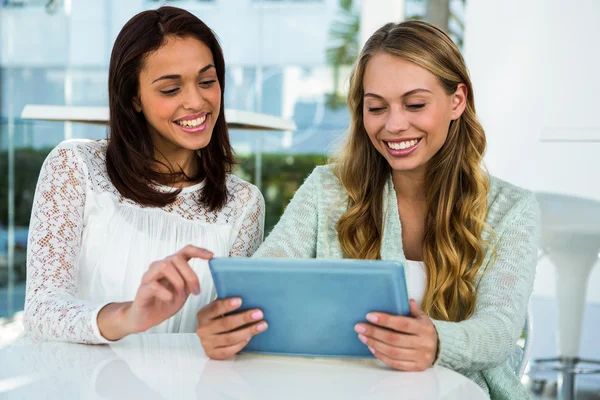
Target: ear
(137,104)
(459,100)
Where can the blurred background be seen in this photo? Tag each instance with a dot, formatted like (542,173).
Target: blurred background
(533,63)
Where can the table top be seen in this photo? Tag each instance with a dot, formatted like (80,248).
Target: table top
(236,119)
(569,215)
(173,366)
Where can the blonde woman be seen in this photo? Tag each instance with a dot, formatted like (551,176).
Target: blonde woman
(409,186)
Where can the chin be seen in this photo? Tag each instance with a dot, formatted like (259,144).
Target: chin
(405,166)
(194,142)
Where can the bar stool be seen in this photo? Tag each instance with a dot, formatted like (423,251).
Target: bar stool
(571,241)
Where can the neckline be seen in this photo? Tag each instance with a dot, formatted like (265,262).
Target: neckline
(188,189)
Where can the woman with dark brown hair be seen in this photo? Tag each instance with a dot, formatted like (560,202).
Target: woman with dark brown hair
(121,228)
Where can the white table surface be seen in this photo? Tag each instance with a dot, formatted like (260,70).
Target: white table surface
(236,119)
(173,366)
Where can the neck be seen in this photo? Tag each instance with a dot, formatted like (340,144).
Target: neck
(175,159)
(409,185)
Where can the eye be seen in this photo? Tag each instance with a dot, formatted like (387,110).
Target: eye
(415,107)
(375,110)
(207,84)
(169,92)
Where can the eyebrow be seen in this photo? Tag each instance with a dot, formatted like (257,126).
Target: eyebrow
(409,93)
(209,66)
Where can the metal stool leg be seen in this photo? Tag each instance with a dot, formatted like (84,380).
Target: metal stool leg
(566,380)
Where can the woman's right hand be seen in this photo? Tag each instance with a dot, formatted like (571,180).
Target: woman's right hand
(222,334)
(164,289)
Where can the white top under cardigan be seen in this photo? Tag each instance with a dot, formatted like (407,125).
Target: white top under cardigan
(89,246)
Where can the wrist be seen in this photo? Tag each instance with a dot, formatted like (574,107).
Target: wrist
(113,321)
(437,347)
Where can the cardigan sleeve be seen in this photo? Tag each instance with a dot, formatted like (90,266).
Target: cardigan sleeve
(488,337)
(295,235)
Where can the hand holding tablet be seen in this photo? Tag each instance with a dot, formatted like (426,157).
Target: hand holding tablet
(224,333)
(311,306)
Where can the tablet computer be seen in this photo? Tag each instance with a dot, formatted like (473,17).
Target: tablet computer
(312,305)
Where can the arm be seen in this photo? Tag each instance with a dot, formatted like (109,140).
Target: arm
(295,235)
(489,336)
(52,309)
(251,229)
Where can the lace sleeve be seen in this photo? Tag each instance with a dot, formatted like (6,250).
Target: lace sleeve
(52,310)
(252,226)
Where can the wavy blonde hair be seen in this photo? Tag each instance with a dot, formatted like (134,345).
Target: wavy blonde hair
(457,186)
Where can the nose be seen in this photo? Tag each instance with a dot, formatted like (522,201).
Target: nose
(193,99)
(397,121)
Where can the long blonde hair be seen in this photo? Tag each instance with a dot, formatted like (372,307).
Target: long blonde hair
(457,186)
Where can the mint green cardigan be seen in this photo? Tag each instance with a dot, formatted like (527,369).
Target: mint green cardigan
(479,347)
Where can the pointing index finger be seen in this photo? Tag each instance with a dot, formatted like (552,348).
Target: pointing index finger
(189,252)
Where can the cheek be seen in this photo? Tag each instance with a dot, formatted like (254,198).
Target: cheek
(160,108)
(214,97)
(435,123)
(372,125)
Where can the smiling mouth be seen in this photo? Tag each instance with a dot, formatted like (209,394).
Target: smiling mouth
(405,145)
(192,123)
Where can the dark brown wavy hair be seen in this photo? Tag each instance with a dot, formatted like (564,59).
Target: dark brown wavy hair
(456,185)
(130,157)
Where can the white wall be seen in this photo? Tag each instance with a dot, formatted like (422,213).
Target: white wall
(534,66)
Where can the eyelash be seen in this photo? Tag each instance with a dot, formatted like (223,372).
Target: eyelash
(412,107)
(205,84)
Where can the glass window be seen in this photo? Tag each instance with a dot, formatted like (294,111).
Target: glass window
(57,53)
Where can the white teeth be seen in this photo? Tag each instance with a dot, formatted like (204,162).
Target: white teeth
(402,145)
(192,123)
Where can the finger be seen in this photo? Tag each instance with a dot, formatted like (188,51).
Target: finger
(243,334)
(415,310)
(156,271)
(155,289)
(236,321)
(218,308)
(396,323)
(396,364)
(393,338)
(169,271)
(188,274)
(189,252)
(153,272)
(396,353)
(223,353)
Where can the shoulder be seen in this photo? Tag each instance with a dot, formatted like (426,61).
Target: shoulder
(507,201)
(82,150)
(83,145)
(324,180)
(242,191)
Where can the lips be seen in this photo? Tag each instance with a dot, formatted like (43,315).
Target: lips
(402,148)
(193,125)
(192,121)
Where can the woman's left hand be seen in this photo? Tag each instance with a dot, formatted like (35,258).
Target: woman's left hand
(403,343)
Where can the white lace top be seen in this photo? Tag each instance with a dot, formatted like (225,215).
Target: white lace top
(89,246)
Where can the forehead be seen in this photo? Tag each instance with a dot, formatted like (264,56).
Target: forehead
(392,76)
(178,56)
